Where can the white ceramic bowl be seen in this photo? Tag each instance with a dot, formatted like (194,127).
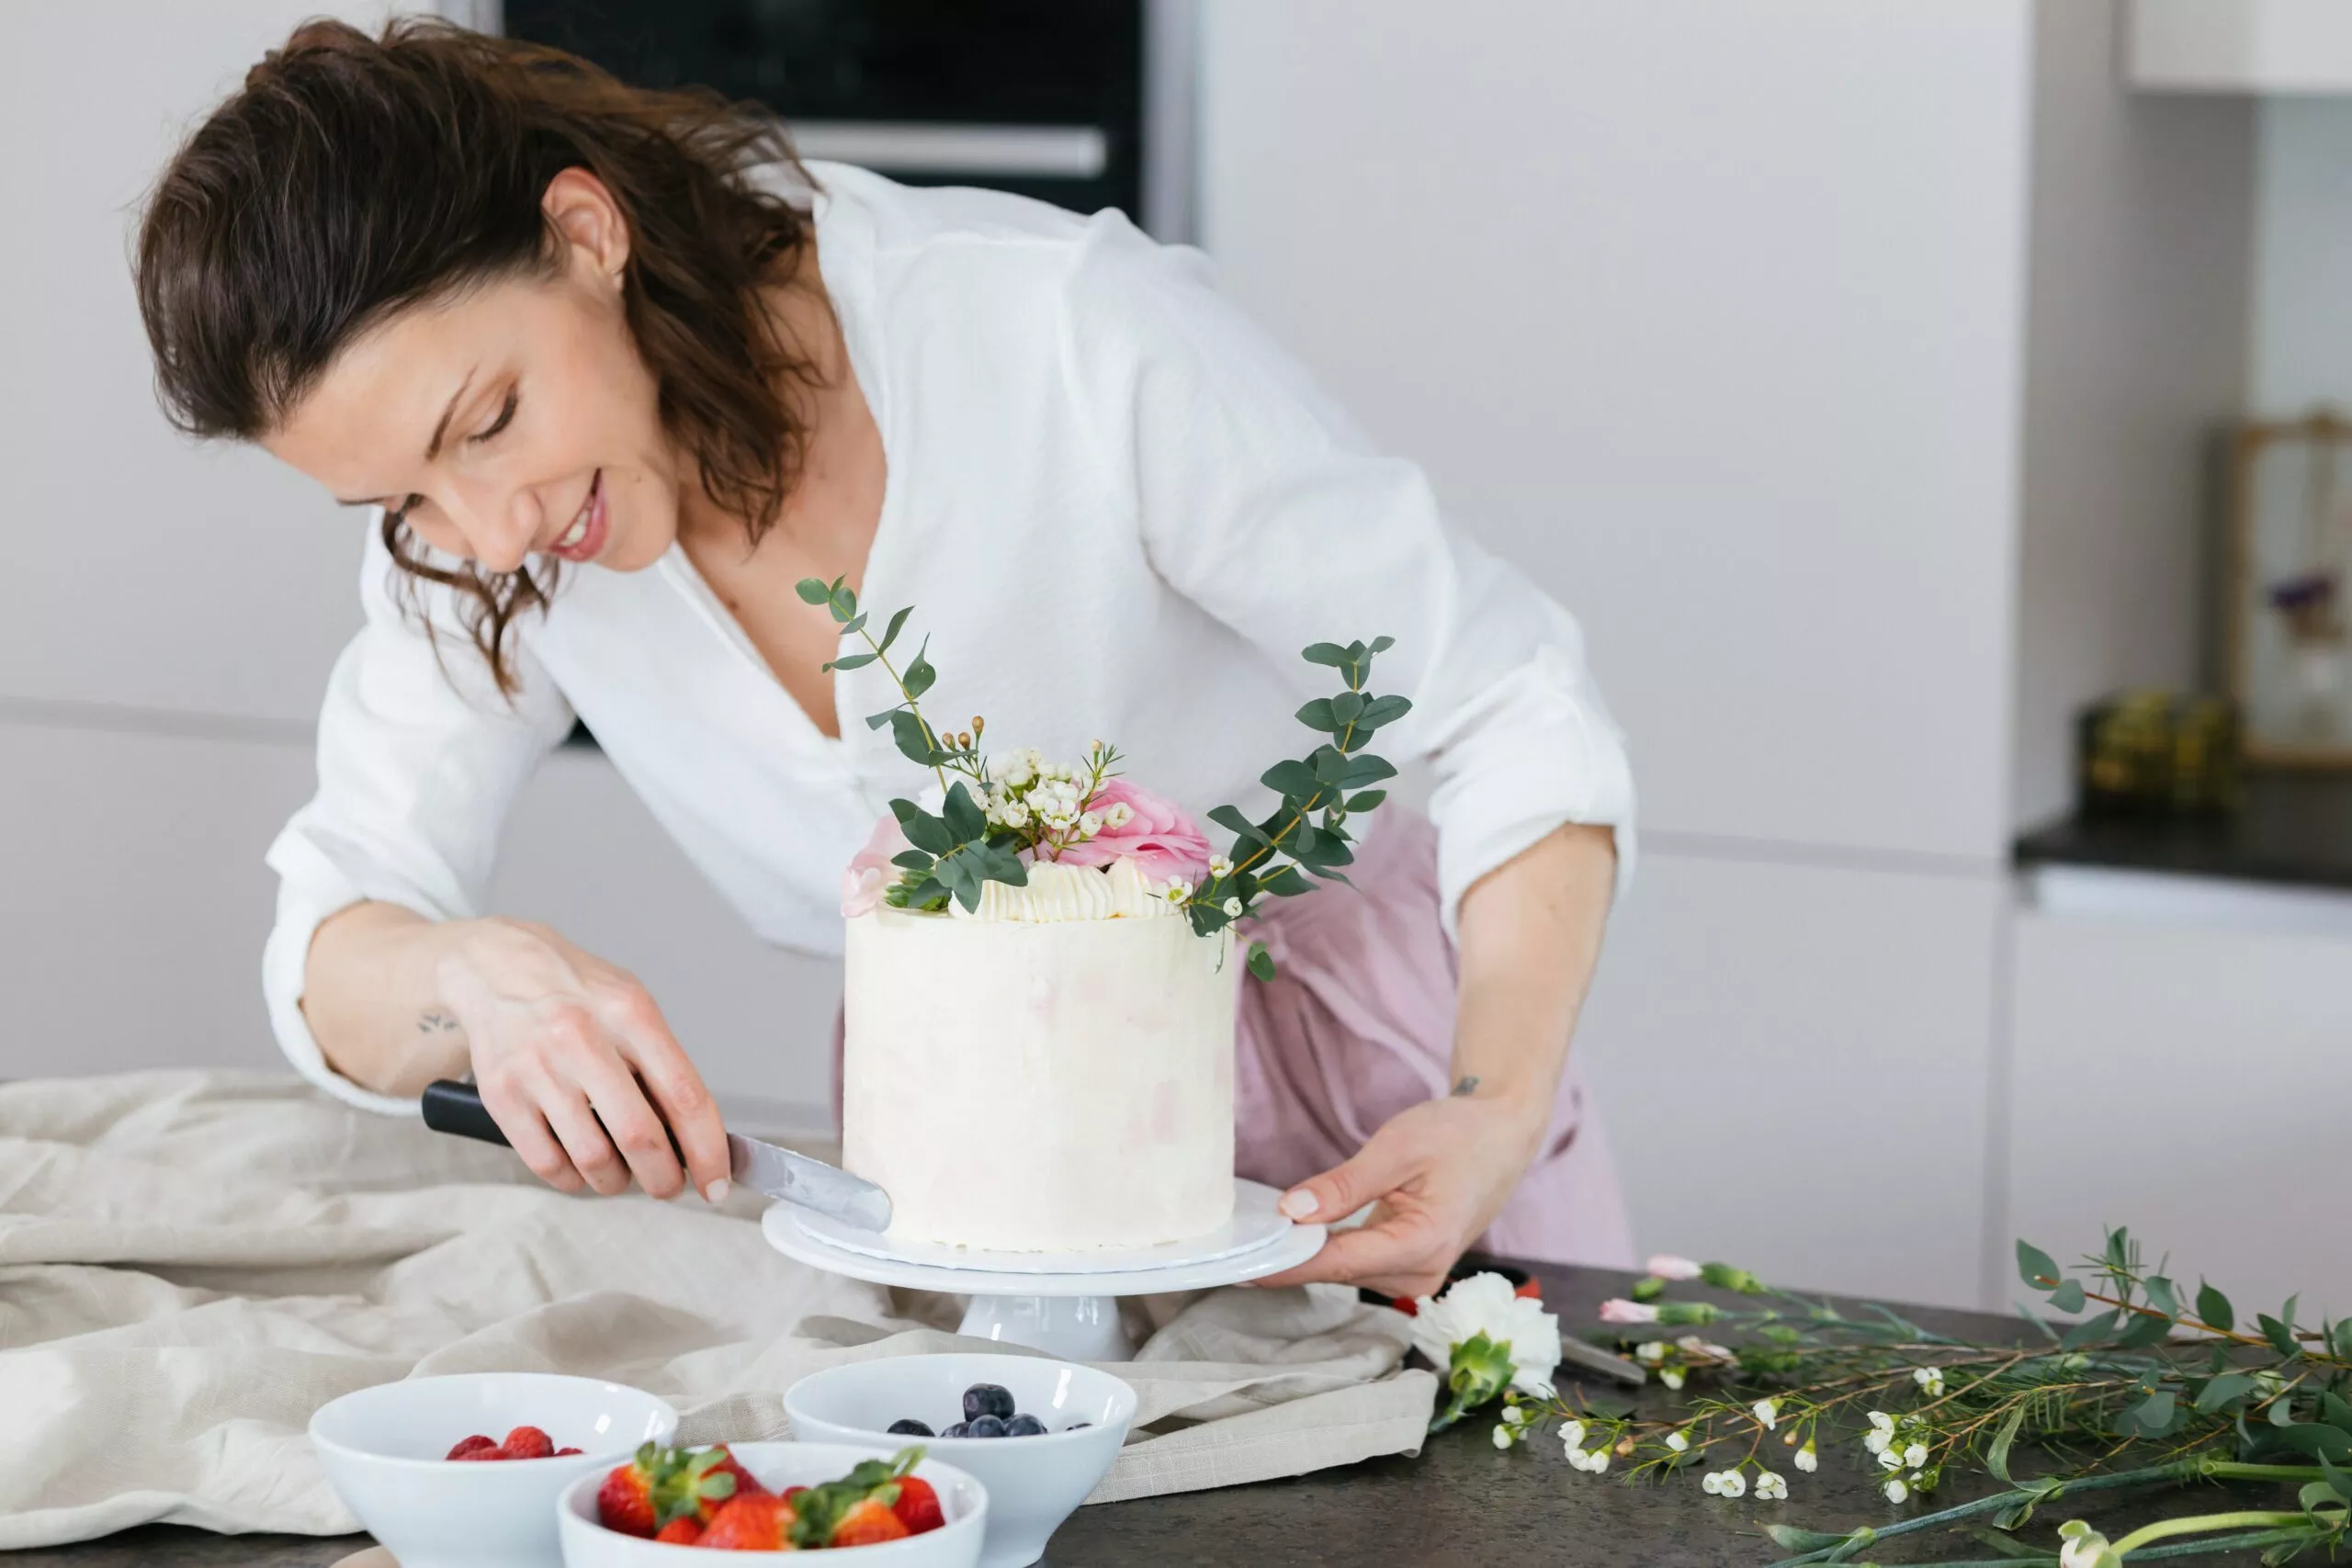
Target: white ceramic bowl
(383,1449)
(1034,1483)
(955,1544)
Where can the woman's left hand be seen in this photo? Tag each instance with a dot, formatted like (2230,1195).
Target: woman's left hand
(1439,1172)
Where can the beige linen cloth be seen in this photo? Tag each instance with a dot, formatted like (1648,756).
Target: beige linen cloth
(191,1263)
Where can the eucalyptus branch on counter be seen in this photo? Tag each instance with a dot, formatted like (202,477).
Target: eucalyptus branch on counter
(2154,1390)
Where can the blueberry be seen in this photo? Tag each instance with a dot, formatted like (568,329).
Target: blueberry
(908,1425)
(1025,1426)
(986,1426)
(957,1431)
(988,1399)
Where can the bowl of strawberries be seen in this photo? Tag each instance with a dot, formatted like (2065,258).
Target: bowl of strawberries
(464,1471)
(900,1508)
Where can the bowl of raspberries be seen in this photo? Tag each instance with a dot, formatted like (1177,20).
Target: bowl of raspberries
(1038,1433)
(464,1471)
(897,1507)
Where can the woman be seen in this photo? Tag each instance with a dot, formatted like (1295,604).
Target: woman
(618,372)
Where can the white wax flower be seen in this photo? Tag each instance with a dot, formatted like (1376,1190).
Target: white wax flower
(1219,867)
(1882,1421)
(1596,1460)
(1876,1441)
(1572,1436)
(1672,1378)
(1513,1416)
(1806,1459)
(1119,816)
(1915,1456)
(1176,892)
(1771,1488)
(1502,1436)
(1089,823)
(1931,1380)
(1889,1460)
(1650,1352)
(1767,1413)
(1484,1304)
(1896,1491)
(1233,908)
(1712,1483)
(1734,1485)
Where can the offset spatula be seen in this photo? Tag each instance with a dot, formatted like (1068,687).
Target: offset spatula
(457,1108)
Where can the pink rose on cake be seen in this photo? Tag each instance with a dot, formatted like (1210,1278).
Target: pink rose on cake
(870,872)
(1155,832)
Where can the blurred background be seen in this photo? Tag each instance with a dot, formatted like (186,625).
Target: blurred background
(1886,387)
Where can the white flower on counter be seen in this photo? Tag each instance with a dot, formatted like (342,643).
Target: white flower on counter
(1725,1483)
(1931,1380)
(1513,1416)
(1693,1344)
(1915,1456)
(1677,1443)
(1572,1439)
(1521,1339)
(1667,1266)
(1596,1460)
(1503,1436)
(1619,1310)
(1650,1352)
(1806,1459)
(1767,1413)
(1896,1492)
(1889,1460)
(1672,1378)
(1771,1488)
(2084,1548)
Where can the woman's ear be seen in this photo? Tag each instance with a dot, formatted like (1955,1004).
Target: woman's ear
(583,211)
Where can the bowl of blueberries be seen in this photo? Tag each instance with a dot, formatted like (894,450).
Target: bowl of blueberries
(1038,1434)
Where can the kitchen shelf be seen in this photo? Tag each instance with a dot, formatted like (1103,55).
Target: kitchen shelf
(2294,829)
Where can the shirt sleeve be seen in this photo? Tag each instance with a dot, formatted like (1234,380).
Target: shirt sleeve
(420,759)
(1259,501)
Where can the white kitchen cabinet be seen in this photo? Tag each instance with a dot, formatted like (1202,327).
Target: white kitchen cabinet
(2191,1082)
(1794,1065)
(2240,46)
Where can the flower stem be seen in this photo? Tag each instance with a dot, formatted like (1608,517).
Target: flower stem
(2248,1541)
(2180,1472)
(2200,1524)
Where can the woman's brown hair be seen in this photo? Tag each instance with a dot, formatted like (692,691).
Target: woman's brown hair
(353,176)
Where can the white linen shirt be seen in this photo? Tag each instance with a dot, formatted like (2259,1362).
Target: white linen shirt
(1119,511)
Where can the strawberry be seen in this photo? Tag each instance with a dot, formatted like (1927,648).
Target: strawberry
(869,1523)
(917,1506)
(757,1521)
(470,1455)
(708,1503)
(624,1501)
(566,1454)
(471,1445)
(1532,1291)
(528,1442)
(679,1532)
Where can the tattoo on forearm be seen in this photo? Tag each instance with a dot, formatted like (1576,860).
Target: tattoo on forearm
(1466,1085)
(433,1020)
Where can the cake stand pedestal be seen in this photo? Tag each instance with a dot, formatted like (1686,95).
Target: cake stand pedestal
(1063,1304)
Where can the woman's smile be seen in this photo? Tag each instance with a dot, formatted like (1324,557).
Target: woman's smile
(590,527)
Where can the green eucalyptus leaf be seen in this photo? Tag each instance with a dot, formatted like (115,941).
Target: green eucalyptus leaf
(1262,962)
(1244,830)
(907,731)
(1292,781)
(2156,1412)
(2218,1391)
(1285,882)
(1320,715)
(890,632)
(1330,765)
(2090,1331)
(2144,1330)
(2160,1295)
(2213,1308)
(812,591)
(850,661)
(1367,801)
(1364,769)
(855,624)
(2281,1337)
(2339,1481)
(919,674)
(2036,1267)
(1330,653)
(2067,1297)
(1381,643)
(1380,711)
(2334,1411)
(2343,1338)
(964,816)
(928,832)
(1346,706)
(887,716)
(2331,1443)
(913,860)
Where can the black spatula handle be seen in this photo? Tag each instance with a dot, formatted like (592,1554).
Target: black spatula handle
(454,1106)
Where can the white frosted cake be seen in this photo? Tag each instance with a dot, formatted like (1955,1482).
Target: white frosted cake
(1049,1072)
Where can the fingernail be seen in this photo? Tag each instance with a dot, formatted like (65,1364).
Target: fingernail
(716,1192)
(1298,1204)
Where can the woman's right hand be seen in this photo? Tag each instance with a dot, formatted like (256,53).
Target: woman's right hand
(576,1064)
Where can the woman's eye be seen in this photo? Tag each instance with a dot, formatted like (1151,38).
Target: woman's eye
(506,417)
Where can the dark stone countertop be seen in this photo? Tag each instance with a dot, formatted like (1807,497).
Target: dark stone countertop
(1461,1502)
(2293,829)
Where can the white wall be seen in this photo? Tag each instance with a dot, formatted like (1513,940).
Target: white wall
(2136,334)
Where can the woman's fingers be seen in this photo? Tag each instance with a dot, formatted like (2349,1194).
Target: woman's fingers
(527,1130)
(584,1138)
(1401,1256)
(1382,1165)
(680,1095)
(632,1124)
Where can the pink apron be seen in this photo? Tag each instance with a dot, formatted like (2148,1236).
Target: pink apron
(1358,1023)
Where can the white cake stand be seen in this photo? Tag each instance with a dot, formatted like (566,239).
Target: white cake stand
(1063,1304)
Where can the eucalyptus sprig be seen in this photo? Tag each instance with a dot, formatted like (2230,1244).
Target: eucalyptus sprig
(1308,832)
(2152,1390)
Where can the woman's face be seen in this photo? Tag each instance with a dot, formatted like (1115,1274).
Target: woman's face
(514,420)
